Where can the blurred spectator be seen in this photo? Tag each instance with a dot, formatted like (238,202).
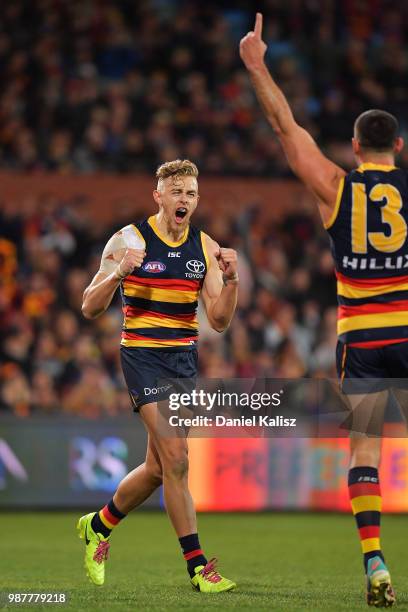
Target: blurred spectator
(122,86)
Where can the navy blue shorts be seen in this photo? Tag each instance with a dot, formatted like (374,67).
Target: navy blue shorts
(146,372)
(369,370)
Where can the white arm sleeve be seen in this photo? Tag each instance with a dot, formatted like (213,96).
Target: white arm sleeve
(125,238)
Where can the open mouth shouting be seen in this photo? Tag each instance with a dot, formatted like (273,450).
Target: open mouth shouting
(181,213)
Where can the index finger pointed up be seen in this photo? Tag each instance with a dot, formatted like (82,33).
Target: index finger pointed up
(258,25)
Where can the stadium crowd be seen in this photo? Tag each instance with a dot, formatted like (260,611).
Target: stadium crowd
(121,86)
(52,360)
(116,85)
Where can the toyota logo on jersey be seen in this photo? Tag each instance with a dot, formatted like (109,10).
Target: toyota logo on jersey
(196,266)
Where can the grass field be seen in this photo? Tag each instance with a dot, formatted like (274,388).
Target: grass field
(280,562)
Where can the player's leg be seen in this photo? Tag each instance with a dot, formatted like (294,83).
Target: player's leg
(363,479)
(132,491)
(140,483)
(362,377)
(365,492)
(173,454)
(95,528)
(397,356)
(401,396)
(139,370)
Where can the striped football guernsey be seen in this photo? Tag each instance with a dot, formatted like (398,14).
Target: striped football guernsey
(368,232)
(160,298)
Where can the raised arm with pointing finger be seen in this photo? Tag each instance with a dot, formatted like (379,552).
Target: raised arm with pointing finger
(306,160)
(365,213)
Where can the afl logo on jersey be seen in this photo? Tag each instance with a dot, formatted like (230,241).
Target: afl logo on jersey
(154,267)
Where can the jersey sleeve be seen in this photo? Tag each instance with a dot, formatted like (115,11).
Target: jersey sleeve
(128,237)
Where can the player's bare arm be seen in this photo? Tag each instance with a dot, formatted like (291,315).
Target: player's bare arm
(116,263)
(220,288)
(319,174)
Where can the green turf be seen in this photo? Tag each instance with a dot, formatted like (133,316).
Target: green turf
(280,562)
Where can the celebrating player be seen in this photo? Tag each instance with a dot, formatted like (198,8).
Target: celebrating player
(365,213)
(162,266)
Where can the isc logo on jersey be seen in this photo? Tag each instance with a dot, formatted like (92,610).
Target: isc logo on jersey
(196,269)
(154,267)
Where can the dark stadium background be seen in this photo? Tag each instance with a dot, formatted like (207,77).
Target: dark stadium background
(94,96)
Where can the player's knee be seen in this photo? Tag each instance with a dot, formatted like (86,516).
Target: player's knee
(175,464)
(365,456)
(155,474)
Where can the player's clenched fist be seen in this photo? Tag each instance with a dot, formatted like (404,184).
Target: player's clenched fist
(227,262)
(133,258)
(252,48)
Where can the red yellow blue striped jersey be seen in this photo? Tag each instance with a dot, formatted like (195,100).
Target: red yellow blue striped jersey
(160,298)
(368,232)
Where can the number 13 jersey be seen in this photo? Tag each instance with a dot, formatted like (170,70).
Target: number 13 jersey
(368,231)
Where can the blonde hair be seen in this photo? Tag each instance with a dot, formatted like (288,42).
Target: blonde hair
(176,168)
